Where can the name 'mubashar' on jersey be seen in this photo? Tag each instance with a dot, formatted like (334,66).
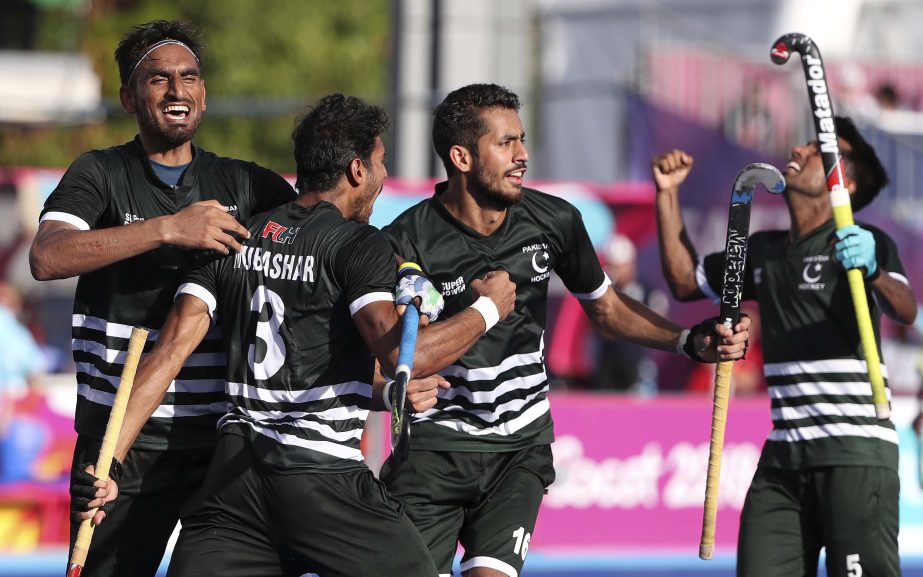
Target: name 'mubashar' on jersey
(276,265)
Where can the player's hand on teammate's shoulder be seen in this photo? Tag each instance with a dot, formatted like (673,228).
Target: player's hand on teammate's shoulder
(204,225)
(497,286)
(422,393)
(713,342)
(670,169)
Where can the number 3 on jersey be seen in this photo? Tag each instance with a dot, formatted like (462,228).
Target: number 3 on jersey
(267,331)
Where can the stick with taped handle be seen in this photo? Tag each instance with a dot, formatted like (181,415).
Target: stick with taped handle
(825,126)
(133,356)
(735,259)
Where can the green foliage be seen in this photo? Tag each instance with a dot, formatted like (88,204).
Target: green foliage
(264,62)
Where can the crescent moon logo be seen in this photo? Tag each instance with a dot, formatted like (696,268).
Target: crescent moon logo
(535,265)
(812,267)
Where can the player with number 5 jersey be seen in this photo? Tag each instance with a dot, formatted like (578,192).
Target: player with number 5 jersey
(306,308)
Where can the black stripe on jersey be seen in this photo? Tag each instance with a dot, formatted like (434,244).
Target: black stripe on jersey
(815,399)
(820,420)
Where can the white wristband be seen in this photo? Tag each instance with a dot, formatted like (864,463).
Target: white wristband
(488,310)
(386,395)
(683,337)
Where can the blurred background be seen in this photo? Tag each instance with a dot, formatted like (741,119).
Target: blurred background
(606,85)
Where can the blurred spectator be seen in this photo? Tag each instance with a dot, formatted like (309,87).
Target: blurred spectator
(747,375)
(887,97)
(749,122)
(22,362)
(620,365)
(854,98)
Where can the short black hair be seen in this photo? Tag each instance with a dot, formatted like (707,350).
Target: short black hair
(862,164)
(134,44)
(457,120)
(330,135)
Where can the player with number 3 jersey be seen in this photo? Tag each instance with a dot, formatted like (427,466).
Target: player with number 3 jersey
(306,307)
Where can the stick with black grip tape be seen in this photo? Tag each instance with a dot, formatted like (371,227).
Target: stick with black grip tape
(113,427)
(825,126)
(735,259)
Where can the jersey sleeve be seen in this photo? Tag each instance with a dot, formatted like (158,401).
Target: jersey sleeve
(709,276)
(886,253)
(269,189)
(366,268)
(81,196)
(202,282)
(579,266)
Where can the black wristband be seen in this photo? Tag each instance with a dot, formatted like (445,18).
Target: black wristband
(115,470)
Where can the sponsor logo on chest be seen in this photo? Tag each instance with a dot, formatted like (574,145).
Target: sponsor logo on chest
(130,218)
(453,287)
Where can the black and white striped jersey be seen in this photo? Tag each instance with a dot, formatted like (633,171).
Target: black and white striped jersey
(116,187)
(299,373)
(498,397)
(821,399)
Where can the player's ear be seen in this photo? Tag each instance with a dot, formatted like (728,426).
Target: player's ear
(356,172)
(127,98)
(461,158)
(203,96)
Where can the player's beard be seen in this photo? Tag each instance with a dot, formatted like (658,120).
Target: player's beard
(170,136)
(495,191)
(362,206)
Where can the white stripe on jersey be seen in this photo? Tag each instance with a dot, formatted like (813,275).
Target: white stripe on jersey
(899,277)
(118,357)
(504,429)
(341,413)
(123,331)
(490,415)
(201,293)
(526,382)
(821,366)
(702,280)
(592,296)
(65,217)
(104,398)
(822,410)
(326,447)
(860,388)
(829,430)
(368,298)
(299,396)
(176,386)
(491,373)
(299,422)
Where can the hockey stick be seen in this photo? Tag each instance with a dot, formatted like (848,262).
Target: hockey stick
(824,125)
(107,449)
(735,260)
(400,416)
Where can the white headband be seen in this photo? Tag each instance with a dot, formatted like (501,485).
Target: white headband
(155,46)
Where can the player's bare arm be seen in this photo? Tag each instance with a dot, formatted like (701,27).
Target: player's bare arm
(677,254)
(895,297)
(618,316)
(61,250)
(441,343)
